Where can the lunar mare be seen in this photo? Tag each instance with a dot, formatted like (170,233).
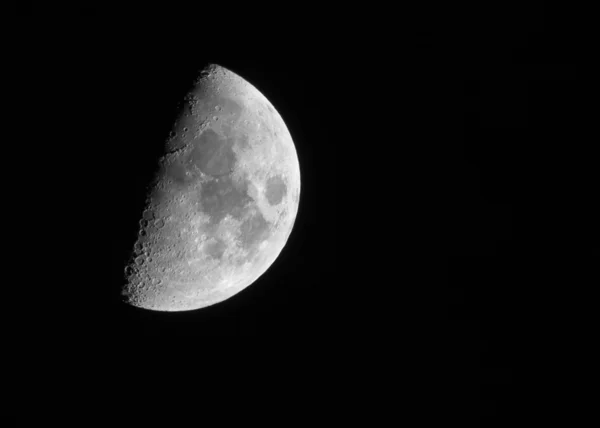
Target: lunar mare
(223,203)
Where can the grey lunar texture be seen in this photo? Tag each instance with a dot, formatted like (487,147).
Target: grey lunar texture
(223,203)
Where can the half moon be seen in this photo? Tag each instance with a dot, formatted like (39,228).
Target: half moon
(223,203)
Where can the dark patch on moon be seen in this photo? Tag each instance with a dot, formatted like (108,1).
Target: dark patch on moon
(216,249)
(212,154)
(223,196)
(231,111)
(253,230)
(243,142)
(177,173)
(224,108)
(275,189)
(148,215)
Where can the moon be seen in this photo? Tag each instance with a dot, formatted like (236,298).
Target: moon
(223,202)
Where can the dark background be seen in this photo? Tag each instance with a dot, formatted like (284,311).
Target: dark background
(457,148)
(126,87)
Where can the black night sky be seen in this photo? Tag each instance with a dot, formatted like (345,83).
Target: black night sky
(446,179)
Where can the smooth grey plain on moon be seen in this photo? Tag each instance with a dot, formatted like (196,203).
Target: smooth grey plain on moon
(223,203)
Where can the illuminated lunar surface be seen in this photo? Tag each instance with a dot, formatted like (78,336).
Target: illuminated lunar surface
(223,203)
